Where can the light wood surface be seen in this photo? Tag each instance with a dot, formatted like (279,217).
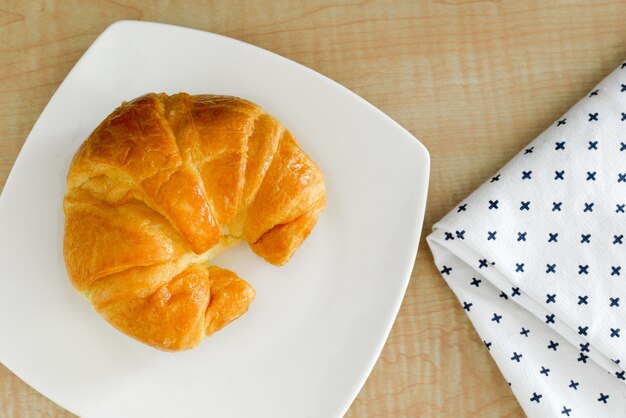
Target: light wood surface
(473,80)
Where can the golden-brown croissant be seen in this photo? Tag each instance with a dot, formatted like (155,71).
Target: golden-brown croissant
(161,186)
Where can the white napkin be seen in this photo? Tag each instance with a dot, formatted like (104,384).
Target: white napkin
(537,257)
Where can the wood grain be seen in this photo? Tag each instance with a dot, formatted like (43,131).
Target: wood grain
(474,80)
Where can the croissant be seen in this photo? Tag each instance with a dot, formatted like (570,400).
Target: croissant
(163,185)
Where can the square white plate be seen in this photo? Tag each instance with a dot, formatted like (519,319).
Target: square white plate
(317,325)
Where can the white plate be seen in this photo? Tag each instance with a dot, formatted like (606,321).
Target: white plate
(317,325)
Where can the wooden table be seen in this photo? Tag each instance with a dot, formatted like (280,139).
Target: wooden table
(474,81)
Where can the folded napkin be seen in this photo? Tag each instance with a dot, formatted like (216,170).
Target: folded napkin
(537,258)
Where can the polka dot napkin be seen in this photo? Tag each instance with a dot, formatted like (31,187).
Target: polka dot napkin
(537,258)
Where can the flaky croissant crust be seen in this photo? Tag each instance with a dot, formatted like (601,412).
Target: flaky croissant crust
(162,185)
